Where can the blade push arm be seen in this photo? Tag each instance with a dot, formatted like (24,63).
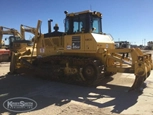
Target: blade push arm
(35,31)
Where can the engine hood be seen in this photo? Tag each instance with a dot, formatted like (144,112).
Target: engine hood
(100,38)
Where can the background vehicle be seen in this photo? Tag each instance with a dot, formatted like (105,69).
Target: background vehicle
(122,44)
(81,54)
(5,50)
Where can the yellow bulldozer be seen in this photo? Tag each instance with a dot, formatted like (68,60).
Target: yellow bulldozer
(81,54)
(16,38)
(5,50)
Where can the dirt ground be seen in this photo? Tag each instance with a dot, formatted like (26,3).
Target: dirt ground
(54,98)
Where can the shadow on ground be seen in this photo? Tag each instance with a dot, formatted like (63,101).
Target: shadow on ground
(47,93)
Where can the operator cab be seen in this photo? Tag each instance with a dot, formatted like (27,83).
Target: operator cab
(86,22)
(16,40)
(11,39)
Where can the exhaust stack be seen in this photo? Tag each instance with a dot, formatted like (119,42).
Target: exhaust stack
(49,25)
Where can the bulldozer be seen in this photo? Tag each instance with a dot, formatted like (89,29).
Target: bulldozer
(5,50)
(81,54)
(14,37)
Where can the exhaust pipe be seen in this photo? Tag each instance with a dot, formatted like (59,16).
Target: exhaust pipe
(49,25)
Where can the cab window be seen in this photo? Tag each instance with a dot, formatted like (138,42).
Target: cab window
(96,25)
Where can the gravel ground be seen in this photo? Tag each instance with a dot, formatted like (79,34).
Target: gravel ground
(54,98)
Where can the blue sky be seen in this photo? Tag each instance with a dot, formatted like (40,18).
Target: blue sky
(125,20)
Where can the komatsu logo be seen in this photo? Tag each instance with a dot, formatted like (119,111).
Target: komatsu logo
(20,104)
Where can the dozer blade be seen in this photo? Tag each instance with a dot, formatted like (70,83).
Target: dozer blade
(138,82)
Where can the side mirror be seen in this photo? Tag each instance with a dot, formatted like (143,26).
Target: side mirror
(5,39)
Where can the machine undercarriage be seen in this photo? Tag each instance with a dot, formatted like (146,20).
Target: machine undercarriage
(86,71)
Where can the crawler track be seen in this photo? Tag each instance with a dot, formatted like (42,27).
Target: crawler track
(90,71)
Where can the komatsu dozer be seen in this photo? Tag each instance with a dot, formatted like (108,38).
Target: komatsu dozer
(82,54)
